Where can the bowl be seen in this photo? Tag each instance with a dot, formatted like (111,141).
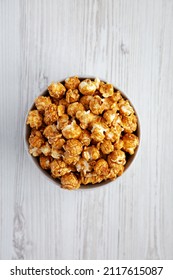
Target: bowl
(130,159)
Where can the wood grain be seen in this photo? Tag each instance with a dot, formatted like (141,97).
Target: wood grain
(129,43)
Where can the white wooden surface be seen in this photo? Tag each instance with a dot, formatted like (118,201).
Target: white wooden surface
(129,43)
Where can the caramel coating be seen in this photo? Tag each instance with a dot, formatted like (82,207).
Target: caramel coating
(106,90)
(42,102)
(71,131)
(130,143)
(106,147)
(50,115)
(73,147)
(72,83)
(62,121)
(70,159)
(82,131)
(46,149)
(129,123)
(73,108)
(90,153)
(125,107)
(34,119)
(70,182)
(85,118)
(101,167)
(59,168)
(45,161)
(85,138)
(96,105)
(87,87)
(118,157)
(85,100)
(56,90)
(72,95)
(36,138)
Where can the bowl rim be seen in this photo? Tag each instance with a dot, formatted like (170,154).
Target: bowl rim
(88,187)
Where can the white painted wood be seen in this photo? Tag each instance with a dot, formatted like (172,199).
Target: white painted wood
(129,43)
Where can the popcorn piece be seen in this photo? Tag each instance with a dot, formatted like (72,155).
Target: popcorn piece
(87,87)
(115,171)
(73,108)
(125,107)
(63,102)
(98,130)
(118,145)
(73,147)
(34,119)
(72,95)
(60,110)
(101,167)
(83,166)
(62,121)
(106,90)
(42,102)
(59,168)
(90,153)
(70,159)
(72,83)
(131,142)
(59,143)
(50,115)
(114,133)
(34,151)
(45,161)
(118,157)
(70,182)
(129,123)
(85,100)
(111,117)
(97,83)
(56,153)
(96,105)
(85,118)
(45,149)
(85,137)
(91,178)
(56,90)
(36,138)
(71,131)
(52,134)
(106,147)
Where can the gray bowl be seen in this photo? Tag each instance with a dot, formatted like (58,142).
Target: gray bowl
(27,130)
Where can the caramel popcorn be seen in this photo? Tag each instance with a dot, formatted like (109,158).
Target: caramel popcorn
(59,168)
(34,119)
(117,156)
(130,143)
(90,153)
(106,90)
(70,182)
(73,108)
(87,87)
(36,138)
(73,147)
(72,95)
(56,90)
(101,167)
(45,161)
(71,130)
(83,132)
(50,115)
(72,82)
(107,147)
(42,102)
